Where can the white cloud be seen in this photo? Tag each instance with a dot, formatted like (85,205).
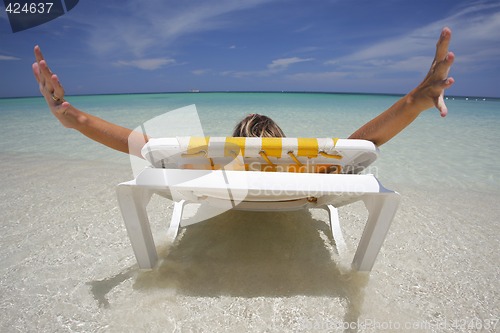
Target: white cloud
(413,64)
(308,49)
(317,76)
(276,66)
(146,64)
(473,27)
(475,42)
(304,28)
(8,58)
(200,71)
(240,74)
(282,64)
(136,27)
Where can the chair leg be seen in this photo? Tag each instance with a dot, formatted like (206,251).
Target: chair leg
(173,229)
(381,209)
(132,201)
(336,231)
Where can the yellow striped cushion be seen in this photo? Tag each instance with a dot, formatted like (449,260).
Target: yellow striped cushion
(261,154)
(252,147)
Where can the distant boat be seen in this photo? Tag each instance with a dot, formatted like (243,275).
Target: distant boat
(195,90)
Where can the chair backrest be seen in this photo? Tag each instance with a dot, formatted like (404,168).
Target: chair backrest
(328,155)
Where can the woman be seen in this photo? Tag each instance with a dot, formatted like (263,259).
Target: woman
(379,130)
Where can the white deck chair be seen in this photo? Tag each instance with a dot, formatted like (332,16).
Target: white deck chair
(260,174)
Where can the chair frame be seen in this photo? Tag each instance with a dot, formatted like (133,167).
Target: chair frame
(326,191)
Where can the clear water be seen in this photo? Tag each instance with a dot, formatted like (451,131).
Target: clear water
(66,263)
(458,151)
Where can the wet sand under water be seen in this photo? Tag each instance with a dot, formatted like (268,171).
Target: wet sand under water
(67,264)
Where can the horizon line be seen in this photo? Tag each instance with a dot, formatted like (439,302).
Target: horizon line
(196,91)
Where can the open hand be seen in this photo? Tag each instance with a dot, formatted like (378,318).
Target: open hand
(51,88)
(431,91)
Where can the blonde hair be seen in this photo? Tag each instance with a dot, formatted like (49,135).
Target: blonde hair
(257,125)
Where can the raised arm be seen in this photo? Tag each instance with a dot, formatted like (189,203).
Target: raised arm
(429,93)
(97,129)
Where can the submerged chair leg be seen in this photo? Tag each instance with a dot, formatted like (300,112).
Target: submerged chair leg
(132,201)
(336,231)
(173,229)
(381,209)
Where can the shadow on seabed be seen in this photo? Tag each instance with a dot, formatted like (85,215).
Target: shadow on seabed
(250,254)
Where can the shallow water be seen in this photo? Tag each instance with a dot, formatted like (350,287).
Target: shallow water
(67,264)
(457,151)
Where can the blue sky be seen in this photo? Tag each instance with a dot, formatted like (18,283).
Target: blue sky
(256,45)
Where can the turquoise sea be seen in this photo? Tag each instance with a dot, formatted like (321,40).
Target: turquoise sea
(457,151)
(66,263)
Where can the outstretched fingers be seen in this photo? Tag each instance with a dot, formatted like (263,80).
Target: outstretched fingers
(36,72)
(440,104)
(42,83)
(51,89)
(50,85)
(442,68)
(42,64)
(38,53)
(437,78)
(443,44)
(45,72)
(58,89)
